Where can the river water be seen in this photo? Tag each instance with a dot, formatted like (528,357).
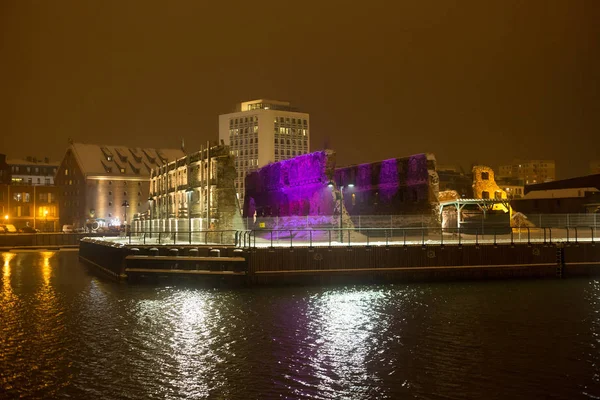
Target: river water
(67,332)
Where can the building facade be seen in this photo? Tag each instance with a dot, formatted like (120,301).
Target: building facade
(193,193)
(30,205)
(530,171)
(33,171)
(260,132)
(106,185)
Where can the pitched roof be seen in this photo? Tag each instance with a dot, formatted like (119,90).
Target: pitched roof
(104,160)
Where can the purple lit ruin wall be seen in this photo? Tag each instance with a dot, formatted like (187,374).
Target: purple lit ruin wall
(299,187)
(294,187)
(389,187)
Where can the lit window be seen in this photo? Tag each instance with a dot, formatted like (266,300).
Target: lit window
(122,170)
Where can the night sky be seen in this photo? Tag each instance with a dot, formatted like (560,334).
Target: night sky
(471,81)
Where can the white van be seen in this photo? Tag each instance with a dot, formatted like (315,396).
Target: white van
(68,229)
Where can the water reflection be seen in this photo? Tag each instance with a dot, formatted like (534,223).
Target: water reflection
(65,332)
(7,293)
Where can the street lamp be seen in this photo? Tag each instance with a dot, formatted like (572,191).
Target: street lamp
(341,208)
(126,205)
(46,220)
(6,217)
(189,192)
(150,199)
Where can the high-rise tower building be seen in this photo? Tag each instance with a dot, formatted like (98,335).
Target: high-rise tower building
(263,131)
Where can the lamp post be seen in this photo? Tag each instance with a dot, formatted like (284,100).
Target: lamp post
(150,214)
(189,192)
(125,205)
(46,220)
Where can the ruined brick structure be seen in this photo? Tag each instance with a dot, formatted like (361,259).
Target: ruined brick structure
(311,186)
(484,185)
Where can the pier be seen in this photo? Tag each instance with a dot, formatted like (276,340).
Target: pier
(257,259)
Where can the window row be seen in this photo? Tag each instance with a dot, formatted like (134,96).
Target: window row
(242,120)
(291,141)
(290,131)
(244,141)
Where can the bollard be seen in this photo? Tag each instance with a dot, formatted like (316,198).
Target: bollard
(214,253)
(153,251)
(173,252)
(134,251)
(193,252)
(238,253)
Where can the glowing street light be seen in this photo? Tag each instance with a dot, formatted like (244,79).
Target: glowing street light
(6,217)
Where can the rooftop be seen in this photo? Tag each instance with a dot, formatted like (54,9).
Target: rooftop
(103,160)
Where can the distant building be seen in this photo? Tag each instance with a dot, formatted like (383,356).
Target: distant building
(514,187)
(574,195)
(5,172)
(595,167)
(262,131)
(106,185)
(530,171)
(33,171)
(30,205)
(195,192)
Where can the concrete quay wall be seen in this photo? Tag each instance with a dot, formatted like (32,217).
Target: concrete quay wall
(362,264)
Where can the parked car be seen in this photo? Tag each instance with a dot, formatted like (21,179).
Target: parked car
(28,229)
(9,228)
(68,229)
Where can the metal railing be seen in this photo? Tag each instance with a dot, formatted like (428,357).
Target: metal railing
(364,237)
(224,237)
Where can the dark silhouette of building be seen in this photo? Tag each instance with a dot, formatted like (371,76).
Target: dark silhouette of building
(5,173)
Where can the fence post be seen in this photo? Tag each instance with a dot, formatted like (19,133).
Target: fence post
(159,233)
(404,234)
(387,243)
(422,237)
(494,236)
(291,240)
(576,235)
(528,236)
(309,235)
(271,237)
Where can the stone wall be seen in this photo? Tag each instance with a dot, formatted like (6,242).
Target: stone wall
(310,186)
(484,185)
